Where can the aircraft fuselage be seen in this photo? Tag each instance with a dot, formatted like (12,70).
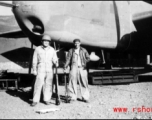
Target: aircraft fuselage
(97,23)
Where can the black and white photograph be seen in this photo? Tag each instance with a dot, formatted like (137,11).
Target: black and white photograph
(76,59)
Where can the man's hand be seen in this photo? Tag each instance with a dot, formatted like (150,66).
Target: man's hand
(64,69)
(56,64)
(35,73)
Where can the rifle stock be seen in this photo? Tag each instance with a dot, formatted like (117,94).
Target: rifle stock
(57,102)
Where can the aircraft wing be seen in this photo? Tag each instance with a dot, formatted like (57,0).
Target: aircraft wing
(13,34)
(142,17)
(150,2)
(9,27)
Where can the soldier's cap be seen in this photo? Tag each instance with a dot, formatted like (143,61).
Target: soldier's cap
(76,40)
(46,38)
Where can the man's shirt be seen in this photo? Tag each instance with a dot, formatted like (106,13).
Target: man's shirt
(71,60)
(77,52)
(43,59)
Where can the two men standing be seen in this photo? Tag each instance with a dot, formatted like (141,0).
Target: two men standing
(43,59)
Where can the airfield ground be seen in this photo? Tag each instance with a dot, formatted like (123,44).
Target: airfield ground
(103,100)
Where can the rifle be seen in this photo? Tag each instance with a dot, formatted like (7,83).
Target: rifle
(67,98)
(57,102)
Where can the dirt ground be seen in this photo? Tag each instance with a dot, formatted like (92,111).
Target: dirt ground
(103,100)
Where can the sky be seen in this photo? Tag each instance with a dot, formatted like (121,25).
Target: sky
(5,10)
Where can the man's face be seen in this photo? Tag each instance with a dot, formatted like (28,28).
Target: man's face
(45,43)
(77,44)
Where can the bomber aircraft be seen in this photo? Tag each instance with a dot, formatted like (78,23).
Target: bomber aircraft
(113,26)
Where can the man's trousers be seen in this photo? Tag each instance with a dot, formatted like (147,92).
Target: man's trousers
(78,75)
(45,81)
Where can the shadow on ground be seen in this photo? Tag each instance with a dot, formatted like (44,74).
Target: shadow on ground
(26,96)
(23,95)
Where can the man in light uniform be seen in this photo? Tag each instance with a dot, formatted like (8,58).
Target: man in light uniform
(77,58)
(43,59)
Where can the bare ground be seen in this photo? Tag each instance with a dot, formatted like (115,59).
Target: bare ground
(16,105)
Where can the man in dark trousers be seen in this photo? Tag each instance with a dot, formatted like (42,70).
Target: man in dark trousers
(78,58)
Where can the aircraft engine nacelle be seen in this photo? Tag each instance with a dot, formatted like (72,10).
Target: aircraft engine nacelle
(31,18)
(47,17)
